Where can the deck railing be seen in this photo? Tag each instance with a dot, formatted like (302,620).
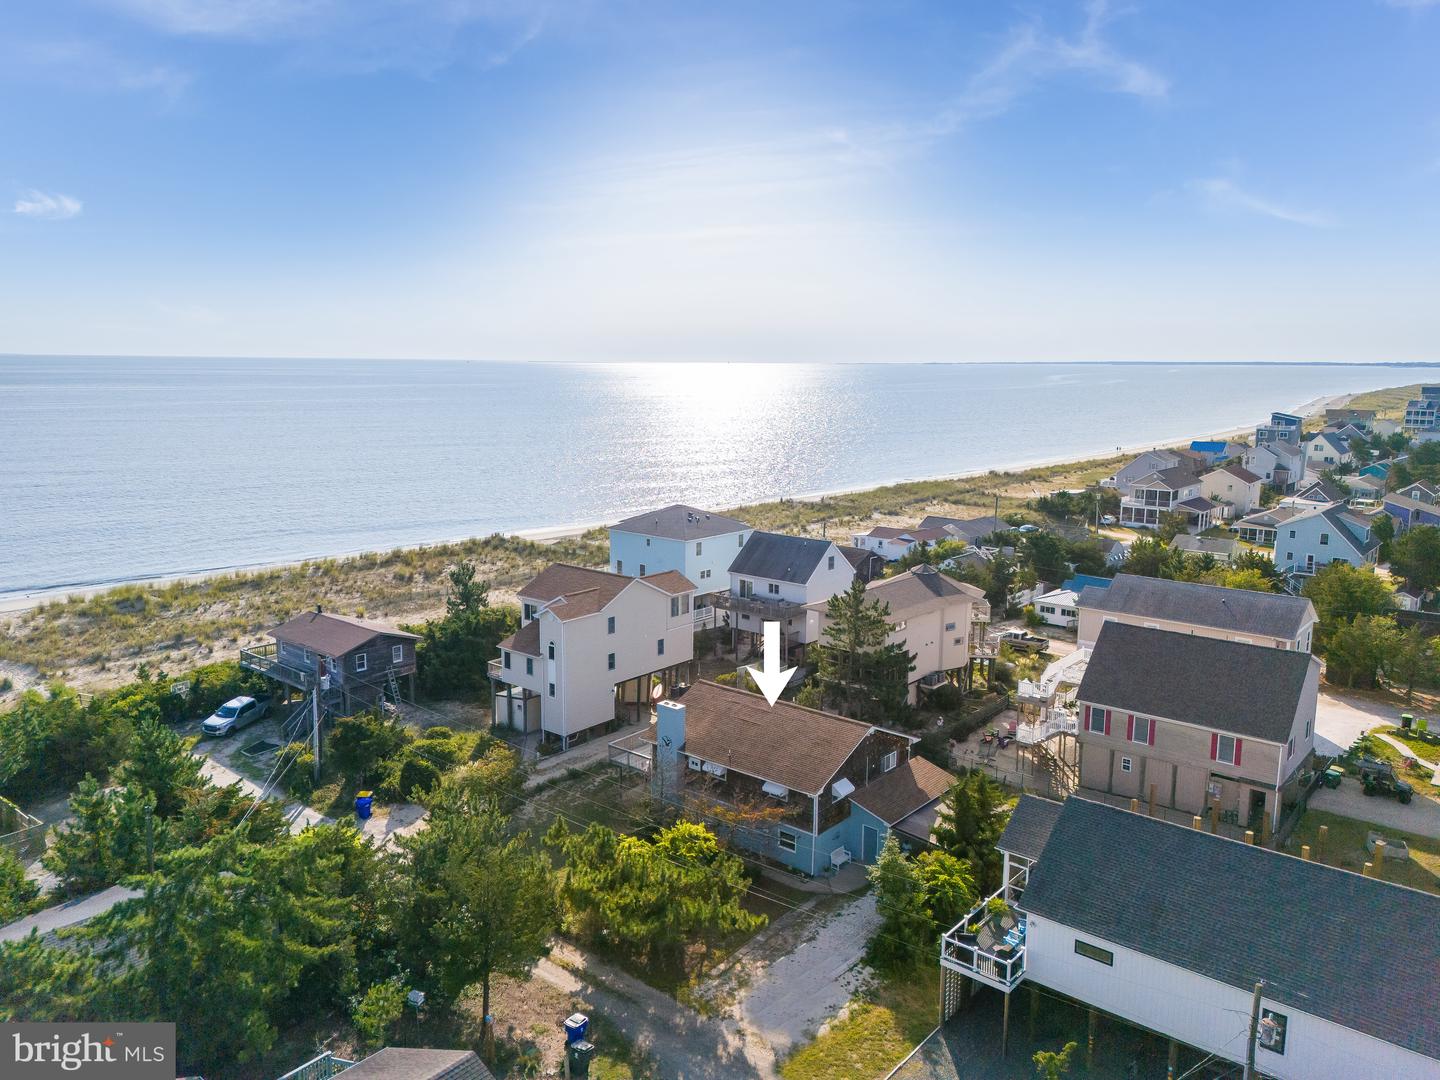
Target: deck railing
(995,955)
(264,659)
(319,1068)
(778,610)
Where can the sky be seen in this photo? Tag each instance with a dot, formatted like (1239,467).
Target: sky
(968,180)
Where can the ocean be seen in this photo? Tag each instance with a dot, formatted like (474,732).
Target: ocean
(123,469)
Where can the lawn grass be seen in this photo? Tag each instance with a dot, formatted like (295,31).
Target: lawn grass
(1418,778)
(888,1020)
(1345,848)
(1425,746)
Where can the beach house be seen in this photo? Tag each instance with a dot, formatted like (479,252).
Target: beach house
(1423,413)
(1229,725)
(1407,511)
(1325,534)
(1280,464)
(1188,607)
(939,620)
(773,578)
(892,543)
(1282,428)
(1187,935)
(1164,491)
(593,647)
(809,789)
(1327,450)
(1057,608)
(697,544)
(971,530)
(1234,488)
(1222,549)
(356,663)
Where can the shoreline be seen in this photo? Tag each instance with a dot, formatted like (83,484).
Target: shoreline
(18,602)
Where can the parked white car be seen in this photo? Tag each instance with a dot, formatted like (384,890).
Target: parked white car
(237,713)
(1108,519)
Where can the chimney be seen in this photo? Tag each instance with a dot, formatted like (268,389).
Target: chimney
(319,610)
(669,749)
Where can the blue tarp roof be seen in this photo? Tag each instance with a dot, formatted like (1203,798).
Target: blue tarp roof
(1079,581)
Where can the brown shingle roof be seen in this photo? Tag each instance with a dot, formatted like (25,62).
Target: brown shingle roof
(525,640)
(575,591)
(333,635)
(800,748)
(904,789)
(917,586)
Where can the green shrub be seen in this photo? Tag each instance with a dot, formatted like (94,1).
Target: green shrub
(947,698)
(412,780)
(297,766)
(363,744)
(1032,617)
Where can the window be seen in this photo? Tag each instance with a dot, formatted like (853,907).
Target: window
(1289,556)
(949,626)
(1225,748)
(552,689)
(1140,729)
(619,569)
(642,569)
(740,540)
(550,650)
(610,625)
(1292,534)
(610,661)
(1324,539)
(889,760)
(773,589)
(361,661)
(697,547)
(1290,748)
(529,665)
(1094,952)
(647,544)
(1097,720)
(1126,765)
(660,647)
(397,654)
(785,839)
(1271,1031)
(1307,729)
(505,662)
(674,606)
(830,563)
(530,610)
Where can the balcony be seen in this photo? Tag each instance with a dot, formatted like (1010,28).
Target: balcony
(988,945)
(263,659)
(497,670)
(762,607)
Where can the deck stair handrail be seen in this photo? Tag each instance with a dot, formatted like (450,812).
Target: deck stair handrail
(1064,775)
(322,1067)
(1054,721)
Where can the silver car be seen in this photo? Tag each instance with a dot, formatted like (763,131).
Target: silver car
(235,714)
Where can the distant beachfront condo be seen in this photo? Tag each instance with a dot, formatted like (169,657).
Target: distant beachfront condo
(1423,413)
(593,648)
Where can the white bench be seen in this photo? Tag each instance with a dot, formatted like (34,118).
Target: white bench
(839,857)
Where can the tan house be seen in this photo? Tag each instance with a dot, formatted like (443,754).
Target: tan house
(1187,607)
(1234,487)
(1191,721)
(934,617)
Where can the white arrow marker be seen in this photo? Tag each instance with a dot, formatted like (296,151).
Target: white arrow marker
(771,678)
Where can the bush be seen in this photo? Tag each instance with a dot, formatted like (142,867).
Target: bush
(297,765)
(364,743)
(1032,617)
(947,698)
(412,780)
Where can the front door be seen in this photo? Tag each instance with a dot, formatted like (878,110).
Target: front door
(869,843)
(1257,809)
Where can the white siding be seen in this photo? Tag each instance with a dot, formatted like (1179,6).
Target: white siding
(1208,1014)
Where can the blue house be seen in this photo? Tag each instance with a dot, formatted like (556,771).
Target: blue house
(818,790)
(1077,583)
(1408,511)
(696,543)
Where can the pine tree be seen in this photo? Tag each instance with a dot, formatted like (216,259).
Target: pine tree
(969,824)
(159,761)
(859,672)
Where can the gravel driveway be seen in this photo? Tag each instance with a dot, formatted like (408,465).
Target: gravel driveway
(1341,719)
(1420,816)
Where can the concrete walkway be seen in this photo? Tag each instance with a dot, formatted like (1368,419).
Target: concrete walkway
(588,753)
(684,1044)
(297,814)
(69,913)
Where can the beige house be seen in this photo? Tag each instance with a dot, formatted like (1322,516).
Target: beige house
(934,617)
(1254,618)
(1191,721)
(1234,487)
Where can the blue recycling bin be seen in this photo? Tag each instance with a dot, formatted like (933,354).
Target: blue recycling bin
(576,1025)
(364,803)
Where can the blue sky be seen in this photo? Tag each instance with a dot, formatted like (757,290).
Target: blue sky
(1159,180)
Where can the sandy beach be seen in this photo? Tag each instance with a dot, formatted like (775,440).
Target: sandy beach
(12,603)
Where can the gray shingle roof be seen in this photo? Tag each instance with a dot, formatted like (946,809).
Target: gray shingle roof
(405,1063)
(1323,939)
(1242,611)
(780,557)
(1248,690)
(967,527)
(1347,524)
(1029,826)
(680,522)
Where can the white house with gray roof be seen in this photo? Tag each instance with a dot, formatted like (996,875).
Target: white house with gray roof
(775,576)
(1170,928)
(1188,607)
(1191,723)
(1325,534)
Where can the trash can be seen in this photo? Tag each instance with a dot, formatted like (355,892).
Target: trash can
(580,1054)
(1407,721)
(364,802)
(576,1025)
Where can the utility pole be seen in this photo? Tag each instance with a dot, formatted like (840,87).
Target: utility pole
(315,725)
(1254,1031)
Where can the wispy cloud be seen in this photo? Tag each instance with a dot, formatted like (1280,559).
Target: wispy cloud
(87,65)
(1222,193)
(1412,4)
(48,206)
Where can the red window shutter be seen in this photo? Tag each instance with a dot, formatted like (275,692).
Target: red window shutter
(1130,728)
(1107,721)
(1237,751)
(1152,731)
(1214,746)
